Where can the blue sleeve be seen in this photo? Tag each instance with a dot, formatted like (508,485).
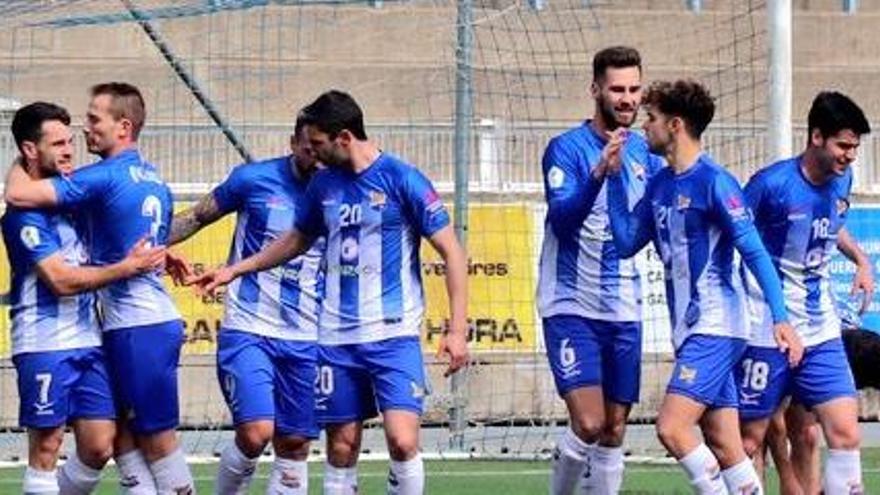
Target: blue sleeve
(427,209)
(755,195)
(570,192)
(31,236)
(230,194)
(309,211)
(631,230)
(83,186)
(729,209)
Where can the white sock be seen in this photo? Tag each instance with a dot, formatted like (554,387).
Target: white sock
(843,472)
(172,475)
(340,481)
(571,459)
(407,477)
(288,477)
(742,478)
(703,471)
(75,478)
(39,482)
(135,477)
(606,471)
(235,471)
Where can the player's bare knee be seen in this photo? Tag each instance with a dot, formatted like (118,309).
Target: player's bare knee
(841,436)
(252,438)
(291,447)
(403,447)
(805,437)
(613,432)
(753,447)
(342,454)
(44,448)
(96,451)
(588,427)
(669,434)
(157,445)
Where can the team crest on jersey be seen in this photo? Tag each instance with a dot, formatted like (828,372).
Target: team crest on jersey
(30,236)
(687,375)
(417,391)
(555,177)
(842,206)
(683,202)
(638,171)
(377,200)
(349,249)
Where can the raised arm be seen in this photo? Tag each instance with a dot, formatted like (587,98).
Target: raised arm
(631,230)
(569,189)
(26,192)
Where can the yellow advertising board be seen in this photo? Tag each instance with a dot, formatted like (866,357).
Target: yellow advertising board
(501,283)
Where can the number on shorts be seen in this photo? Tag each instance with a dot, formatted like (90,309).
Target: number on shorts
(45,380)
(755,374)
(324,380)
(567,356)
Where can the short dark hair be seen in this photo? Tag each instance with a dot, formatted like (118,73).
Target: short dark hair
(126,102)
(686,99)
(27,124)
(833,112)
(618,57)
(333,112)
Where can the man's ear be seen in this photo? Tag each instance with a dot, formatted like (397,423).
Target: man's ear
(29,151)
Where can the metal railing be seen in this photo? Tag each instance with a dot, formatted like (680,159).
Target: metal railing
(504,158)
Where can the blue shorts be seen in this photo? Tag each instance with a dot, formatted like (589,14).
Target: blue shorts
(143,370)
(355,381)
(267,378)
(765,379)
(59,386)
(585,352)
(704,368)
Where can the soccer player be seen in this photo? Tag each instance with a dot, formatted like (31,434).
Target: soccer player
(267,349)
(800,205)
(56,339)
(590,298)
(694,212)
(120,199)
(373,208)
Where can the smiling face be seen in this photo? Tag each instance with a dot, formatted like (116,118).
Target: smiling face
(618,94)
(105,134)
(836,152)
(53,152)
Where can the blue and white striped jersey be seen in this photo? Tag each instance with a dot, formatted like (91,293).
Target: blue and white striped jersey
(282,302)
(41,321)
(373,222)
(695,219)
(122,199)
(798,222)
(581,272)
